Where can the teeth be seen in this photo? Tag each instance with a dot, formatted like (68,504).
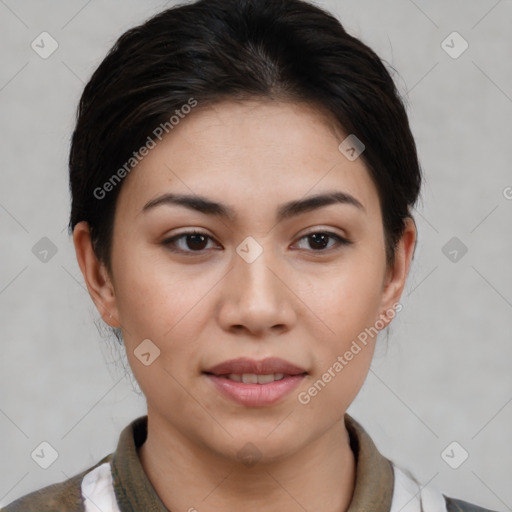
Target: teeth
(249,378)
(252,378)
(263,379)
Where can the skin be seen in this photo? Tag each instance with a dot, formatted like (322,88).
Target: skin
(299,300)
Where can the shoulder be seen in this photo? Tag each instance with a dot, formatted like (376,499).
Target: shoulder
(64,496)
(408,491)
(454,505)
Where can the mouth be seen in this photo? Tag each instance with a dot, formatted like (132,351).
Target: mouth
(256,383)
(253,378)
(251,368)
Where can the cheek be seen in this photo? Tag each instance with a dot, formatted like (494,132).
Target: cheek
(151,296)
(158,306)
(158,303)
(348,303)
(352,334)
(348,297)
(342,357)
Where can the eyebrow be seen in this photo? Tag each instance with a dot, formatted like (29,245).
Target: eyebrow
(285,211)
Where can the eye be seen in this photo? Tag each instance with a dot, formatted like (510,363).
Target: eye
(320,239)
(194,240)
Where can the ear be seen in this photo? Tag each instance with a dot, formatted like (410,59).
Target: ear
(396,274)
(95,275)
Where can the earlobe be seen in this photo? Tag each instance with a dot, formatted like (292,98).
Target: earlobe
(95,275)
(396,276)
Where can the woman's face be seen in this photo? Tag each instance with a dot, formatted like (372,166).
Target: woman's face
(263,281)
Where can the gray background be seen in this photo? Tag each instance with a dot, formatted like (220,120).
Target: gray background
(444,375)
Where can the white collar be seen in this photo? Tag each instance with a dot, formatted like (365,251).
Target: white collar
(409,496)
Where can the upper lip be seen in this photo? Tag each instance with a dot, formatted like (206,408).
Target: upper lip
(266,366)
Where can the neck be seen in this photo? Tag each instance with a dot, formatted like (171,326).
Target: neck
(187,476)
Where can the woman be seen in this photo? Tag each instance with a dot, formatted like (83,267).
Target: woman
(242,176)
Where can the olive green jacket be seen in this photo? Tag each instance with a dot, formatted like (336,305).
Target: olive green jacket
(133,491)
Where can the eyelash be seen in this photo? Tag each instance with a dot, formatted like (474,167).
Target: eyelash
(169,242)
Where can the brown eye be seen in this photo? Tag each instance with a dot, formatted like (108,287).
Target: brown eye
(318,241)
(194,241)
(197,242)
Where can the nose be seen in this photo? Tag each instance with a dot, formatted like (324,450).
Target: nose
(256,296)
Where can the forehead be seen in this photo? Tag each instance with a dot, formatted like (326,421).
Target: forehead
(252,153)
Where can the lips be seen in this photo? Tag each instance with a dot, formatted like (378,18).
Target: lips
(245,366)
(256,383)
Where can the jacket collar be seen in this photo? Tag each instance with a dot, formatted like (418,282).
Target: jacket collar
(134,492)
(374,473)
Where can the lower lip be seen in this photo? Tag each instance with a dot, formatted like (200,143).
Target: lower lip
(256,394)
